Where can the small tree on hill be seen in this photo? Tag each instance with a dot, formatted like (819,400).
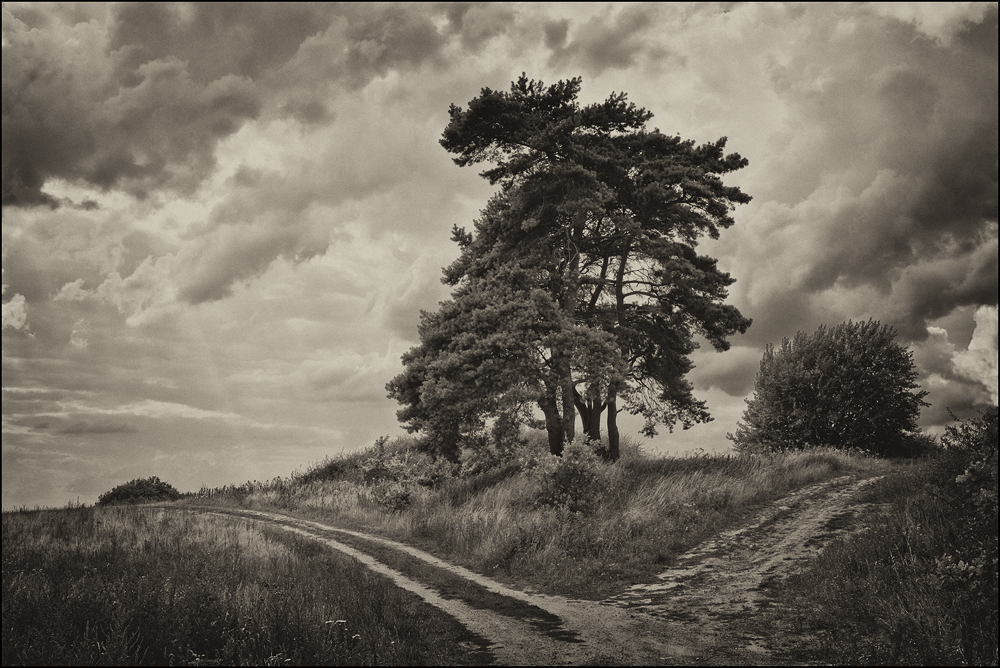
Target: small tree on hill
(849,386)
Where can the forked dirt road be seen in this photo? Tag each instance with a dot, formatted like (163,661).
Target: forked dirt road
(696,613)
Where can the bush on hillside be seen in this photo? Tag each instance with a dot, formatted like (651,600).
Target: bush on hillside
(969,569)
(485,452)
(140,490)
(395,473)
(847,387)
(572,481)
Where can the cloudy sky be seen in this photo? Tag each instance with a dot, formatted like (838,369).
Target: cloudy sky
(220,222)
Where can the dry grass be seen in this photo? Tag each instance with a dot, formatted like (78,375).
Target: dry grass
(128,586)
(141,585)
(890,594)
(623,525)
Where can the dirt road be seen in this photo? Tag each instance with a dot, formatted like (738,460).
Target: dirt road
(697,612)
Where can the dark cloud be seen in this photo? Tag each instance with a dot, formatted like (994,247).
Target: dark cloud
(140,100)
(69,112)
(954,398)
(80,427)
(555,34)
(933,290)
(605,42)
(477,22)
(215,39)
(732,371)
(894,179)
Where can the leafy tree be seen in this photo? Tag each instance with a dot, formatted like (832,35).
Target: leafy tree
(581,285)
(849,386)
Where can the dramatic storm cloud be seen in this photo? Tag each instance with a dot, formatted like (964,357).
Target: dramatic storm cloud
(220,221)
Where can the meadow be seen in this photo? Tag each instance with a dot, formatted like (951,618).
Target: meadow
(915,584)
(133,585)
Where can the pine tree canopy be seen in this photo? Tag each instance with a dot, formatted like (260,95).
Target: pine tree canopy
(580,286)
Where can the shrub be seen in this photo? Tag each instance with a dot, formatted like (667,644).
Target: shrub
(969,569)
(572,481)
(850,386)
(140,490)
(394,473)
(499,449)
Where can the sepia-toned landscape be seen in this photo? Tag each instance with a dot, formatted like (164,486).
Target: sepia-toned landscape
(618,334)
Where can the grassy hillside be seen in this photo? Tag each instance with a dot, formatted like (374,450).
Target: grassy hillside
(576,526)
(127,584)
(918,585)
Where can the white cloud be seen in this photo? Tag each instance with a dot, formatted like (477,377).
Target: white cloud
(77,338)
(979,362)
(15,313)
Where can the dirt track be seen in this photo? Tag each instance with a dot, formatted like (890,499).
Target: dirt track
(696,613)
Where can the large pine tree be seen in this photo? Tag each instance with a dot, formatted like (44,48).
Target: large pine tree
(581,286)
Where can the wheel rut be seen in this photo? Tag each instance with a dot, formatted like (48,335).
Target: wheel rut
(685,617)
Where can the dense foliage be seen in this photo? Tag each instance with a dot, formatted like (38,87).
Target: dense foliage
(140,490)
(849,386)
(969,569)
(580,288)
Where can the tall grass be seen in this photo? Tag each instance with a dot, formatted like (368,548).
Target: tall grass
(608,526)
(130,586)
(919,585)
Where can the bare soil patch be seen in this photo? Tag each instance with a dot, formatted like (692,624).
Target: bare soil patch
(700,611)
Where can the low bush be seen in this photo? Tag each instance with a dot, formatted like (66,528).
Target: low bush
(575,481)
(140,490)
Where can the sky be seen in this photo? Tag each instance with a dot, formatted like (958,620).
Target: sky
(220,222)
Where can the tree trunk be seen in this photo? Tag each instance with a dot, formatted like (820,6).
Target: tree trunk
(570,289)
(562,387)
(582,408)
(553,423)
(594,425)
(590,410)
(613,438)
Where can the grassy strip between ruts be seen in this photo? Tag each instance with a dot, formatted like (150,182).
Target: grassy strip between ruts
(133,586)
